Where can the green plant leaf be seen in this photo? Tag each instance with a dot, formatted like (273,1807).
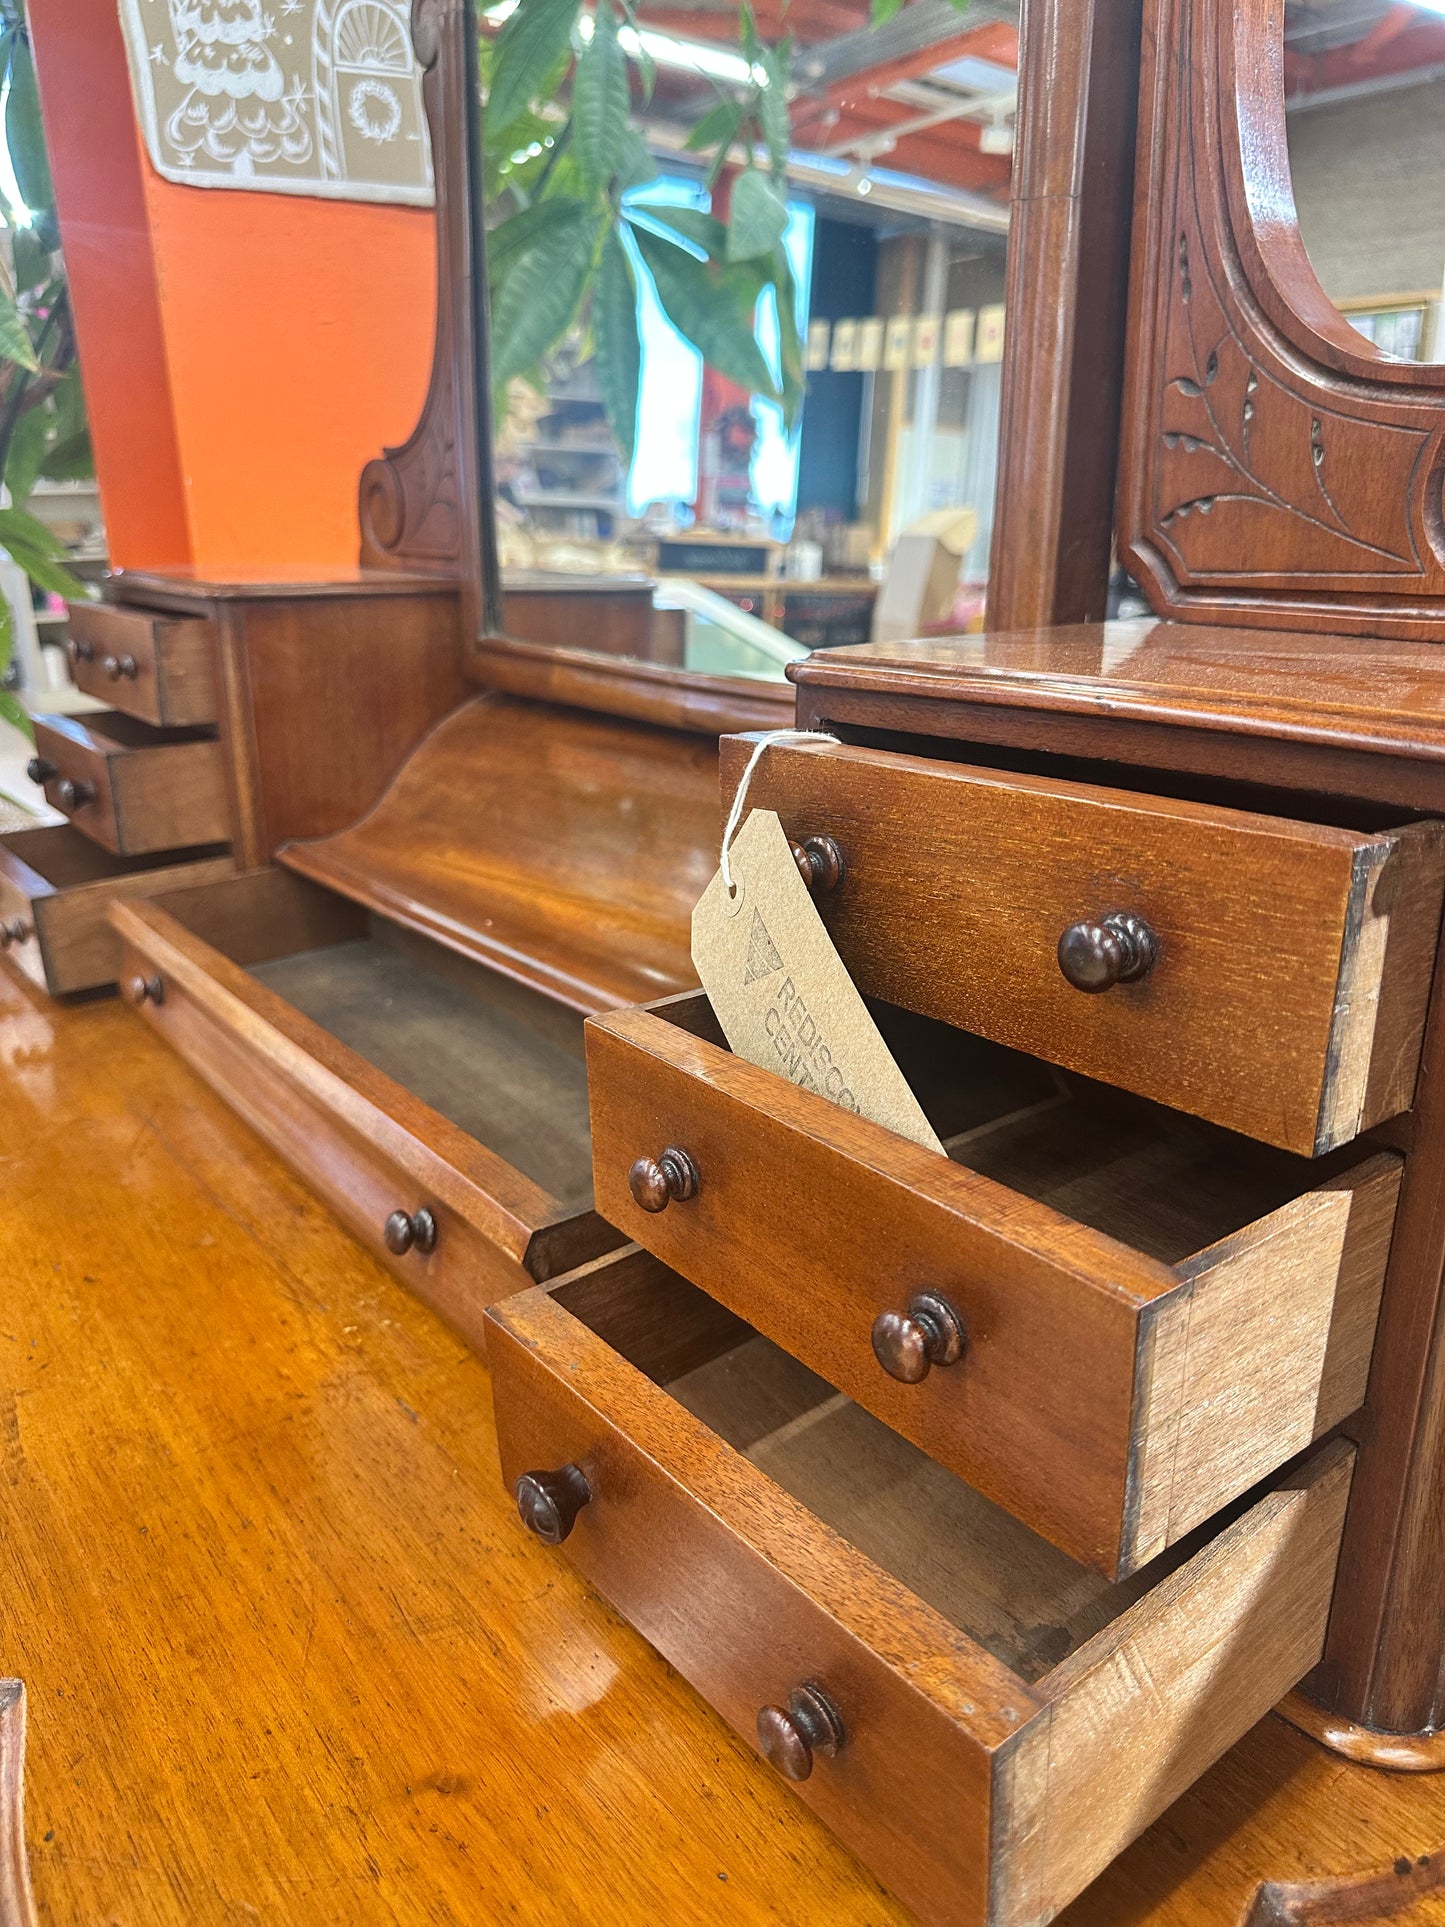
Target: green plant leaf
(600,101)
(757,217)
(790,339)
(619,345)
(883,12)
(646,65)
(694,224)
(719,124)
(774,118)
(24,133)
(512,238)
(537,297)
(32,259)
(15,344)
(71,459)
(25,456)
(748,30)
(13,710)
(635,166)
(532,41)
(712,307)
(33,546)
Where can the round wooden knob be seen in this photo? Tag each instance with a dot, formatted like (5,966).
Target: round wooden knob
(81,651)
(117,667)
(820,863)
(40,769)
(73,795)
(1119,949)
(909,1344)
(548,1502)
(656,1182)
(409,1231)
(811,1724)
(146,990)
(16,931)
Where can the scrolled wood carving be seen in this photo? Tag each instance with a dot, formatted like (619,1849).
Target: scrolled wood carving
(1276,467)
(17,1908)
(425,505)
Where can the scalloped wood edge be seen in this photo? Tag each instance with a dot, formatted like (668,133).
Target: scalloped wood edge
(17,1905)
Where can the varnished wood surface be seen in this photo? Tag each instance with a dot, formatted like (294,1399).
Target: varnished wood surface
(292,1588)
(155,667)
(563,849)
(648,692)
(141,789)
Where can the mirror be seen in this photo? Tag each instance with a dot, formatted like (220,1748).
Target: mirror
(747,322)
(1365,113)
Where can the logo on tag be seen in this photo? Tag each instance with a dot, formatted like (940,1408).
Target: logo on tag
(763,958)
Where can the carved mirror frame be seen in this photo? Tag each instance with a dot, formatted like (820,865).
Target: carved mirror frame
(1276,468)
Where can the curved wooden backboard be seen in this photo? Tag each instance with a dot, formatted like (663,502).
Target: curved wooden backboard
(1276,468)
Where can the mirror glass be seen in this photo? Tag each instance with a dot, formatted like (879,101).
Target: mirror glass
(1365,112)
(747,299)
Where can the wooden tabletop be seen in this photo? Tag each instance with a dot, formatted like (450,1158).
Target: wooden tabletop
(290,1658)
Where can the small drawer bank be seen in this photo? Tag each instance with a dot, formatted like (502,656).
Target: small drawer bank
(984,1721)
(1270,975)
(1111,1318)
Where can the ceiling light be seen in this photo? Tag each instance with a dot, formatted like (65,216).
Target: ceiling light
(691,56)
(1000,140)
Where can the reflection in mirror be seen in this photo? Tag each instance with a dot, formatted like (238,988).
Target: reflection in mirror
(1365,110)
(747,320)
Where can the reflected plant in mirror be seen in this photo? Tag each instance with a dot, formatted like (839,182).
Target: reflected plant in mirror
(568,236)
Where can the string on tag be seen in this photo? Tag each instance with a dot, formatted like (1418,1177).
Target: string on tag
(740,796)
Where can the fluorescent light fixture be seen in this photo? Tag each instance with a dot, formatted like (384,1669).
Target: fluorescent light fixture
(691,56)
(1430,6)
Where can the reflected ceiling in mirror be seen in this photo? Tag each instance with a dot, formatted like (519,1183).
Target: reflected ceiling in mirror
(1365,112)
(747,330)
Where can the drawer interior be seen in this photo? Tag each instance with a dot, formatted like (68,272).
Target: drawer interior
(1000,1584)
(1162,1182)
(66,858)
(502,1062)
(112,728)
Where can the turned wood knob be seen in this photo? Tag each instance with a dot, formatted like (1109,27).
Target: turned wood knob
(40,769)
(117,666)
(81,651)
(909,1344)
(414,1231)
(146,990)
(16,931)
(812,1724)
(656,1182)
(820,863)
(73,795)
(548,1502)
(1119,949)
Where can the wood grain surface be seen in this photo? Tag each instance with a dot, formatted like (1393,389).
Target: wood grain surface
(159,668)
(17,1907)
(562,849)
(287,1649)
(146,789)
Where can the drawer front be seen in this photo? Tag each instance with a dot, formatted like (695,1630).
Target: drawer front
(156,667)
(980,1800)
(56,893)
(1110,1401)
(134,798)
(1290,962)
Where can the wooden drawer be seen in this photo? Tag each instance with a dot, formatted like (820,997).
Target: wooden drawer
(133,788)
(1287,995)
(157,667)
(469,1102)
(1010,1721)
(1155,1313)
(56,889)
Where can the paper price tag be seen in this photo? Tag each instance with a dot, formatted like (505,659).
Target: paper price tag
(780,990)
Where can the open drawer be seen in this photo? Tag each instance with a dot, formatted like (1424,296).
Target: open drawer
(439,1109)
(984,1721)
(1266,973)
(56,889)
(133,788)
(1111,1318)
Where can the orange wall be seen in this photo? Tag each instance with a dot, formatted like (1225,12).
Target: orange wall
(243,353)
